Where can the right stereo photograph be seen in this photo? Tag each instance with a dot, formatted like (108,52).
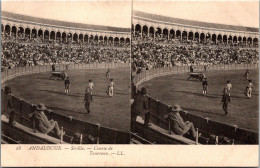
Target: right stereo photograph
(194,73)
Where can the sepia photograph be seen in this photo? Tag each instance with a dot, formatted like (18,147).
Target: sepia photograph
(65,72)
(137,83)
(195,69)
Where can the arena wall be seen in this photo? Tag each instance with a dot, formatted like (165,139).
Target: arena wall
(25,70)
(158,109)
(23,108)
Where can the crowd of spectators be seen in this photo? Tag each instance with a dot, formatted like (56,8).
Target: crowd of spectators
(26,54)
(151,54)
(17,53)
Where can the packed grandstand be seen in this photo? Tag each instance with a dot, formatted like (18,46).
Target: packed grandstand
(160,41)
(34,41)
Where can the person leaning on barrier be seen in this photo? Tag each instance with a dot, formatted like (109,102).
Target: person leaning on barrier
(7,106)
(42,123)
(140,107)
(178,126)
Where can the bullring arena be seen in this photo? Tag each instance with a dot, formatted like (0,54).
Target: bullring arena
(243,112)
(166,51)
(32,47)
(110,112)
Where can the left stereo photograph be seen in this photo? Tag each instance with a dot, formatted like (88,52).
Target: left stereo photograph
(65,72)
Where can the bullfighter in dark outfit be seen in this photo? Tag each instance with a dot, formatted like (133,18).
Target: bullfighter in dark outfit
(87,100)
(205,86)
(67,85)
(225,100)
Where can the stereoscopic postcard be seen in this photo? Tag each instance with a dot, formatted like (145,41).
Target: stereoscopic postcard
(105,83)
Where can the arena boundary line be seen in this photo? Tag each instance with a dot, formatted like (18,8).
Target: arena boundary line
(111,135)
(205,123)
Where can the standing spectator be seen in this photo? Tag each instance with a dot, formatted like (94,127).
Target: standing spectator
(7,105)
(225,100)
(9,101)
(87,100)
(140,107)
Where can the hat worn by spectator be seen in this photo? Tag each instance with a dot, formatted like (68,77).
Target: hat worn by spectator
(176,108)
(144,90)
(40,107)
(8,89)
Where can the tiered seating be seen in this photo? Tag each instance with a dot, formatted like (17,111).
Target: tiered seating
(153,54)
(24,52)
